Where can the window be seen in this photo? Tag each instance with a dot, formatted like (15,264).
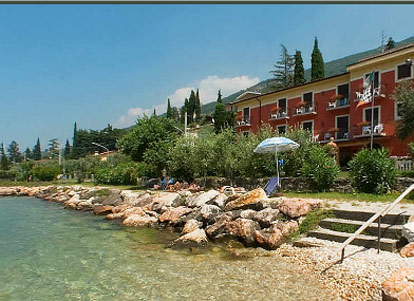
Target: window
(308,99)
(342,123)
(282,104)
(246,112)
(376,78)
(344,91)
(246,134)
(308,126)
(368,115)
(398,110)
(403,71)
(281,129)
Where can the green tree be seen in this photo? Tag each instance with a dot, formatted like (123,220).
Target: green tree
(37,152)
(404,96)
(75,143)
(390,44)
(67,150)
(222,119)
(169,110)
(14,152)
(299,72)
(317,64)
(28,153)
(191,107)
(54,147)
(184,110)
(4,162)
(219,96)
(197,109)
(283,72)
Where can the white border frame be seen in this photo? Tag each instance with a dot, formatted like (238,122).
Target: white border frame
(313,125)
(349,122)
(313,97)
(379,77)
(405,78)
(287,107)
(279,126)
(370,107)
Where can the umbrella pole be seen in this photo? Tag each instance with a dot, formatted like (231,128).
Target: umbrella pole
(277,168)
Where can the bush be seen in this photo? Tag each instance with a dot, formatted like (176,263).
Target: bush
(122,174)
(7,174)
(372,171)
(46,172)
(319,169)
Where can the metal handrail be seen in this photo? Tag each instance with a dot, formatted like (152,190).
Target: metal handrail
(376,216)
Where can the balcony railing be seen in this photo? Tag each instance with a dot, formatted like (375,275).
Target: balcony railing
(305,110)
(340,103)
(366,131)
(343,134)
(244,122)
(278,115)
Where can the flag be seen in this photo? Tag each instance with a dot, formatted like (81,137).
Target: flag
(366,95)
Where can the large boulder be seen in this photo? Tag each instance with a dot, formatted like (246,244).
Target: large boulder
(208,212)
(250,199)
(202,198)
(400,286)
(137,220)
(196,238)
(136,199)
(161,201)
(408,231)
(408,250)
(298,207)
(191,225)
(243,229)
(219,226)
(248,214)
(219,200)
(102,210)
(173,215)
(266,216)
(273,237)
(112,199)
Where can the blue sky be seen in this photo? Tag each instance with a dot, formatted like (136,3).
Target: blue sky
(100,64)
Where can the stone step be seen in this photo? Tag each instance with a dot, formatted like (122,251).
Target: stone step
(366,241)
(387,230)
(360,215)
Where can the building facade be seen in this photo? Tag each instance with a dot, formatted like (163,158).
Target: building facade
(329,107)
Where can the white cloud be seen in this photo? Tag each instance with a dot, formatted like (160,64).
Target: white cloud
(208,92)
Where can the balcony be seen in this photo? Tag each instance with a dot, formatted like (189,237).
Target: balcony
(366,131)
(305,110)
(278,115)
(341,135)
(338,104)
(245,121)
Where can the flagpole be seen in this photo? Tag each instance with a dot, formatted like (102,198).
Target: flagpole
(372,113)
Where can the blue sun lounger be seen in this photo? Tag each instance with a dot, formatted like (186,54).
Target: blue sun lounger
(271,185)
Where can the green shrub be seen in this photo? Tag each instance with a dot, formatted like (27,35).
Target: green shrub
(8,174)
(46,172)
(319,169)
(372,171)
(122,174)
(407,173)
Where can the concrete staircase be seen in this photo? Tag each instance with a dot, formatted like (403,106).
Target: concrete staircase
(351,220)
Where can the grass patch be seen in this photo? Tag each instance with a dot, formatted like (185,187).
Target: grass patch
(365,197)
(347,228)
(313,218)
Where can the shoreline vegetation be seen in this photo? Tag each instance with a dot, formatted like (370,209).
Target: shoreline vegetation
(255,220)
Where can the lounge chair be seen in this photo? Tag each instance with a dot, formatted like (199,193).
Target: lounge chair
(271,185)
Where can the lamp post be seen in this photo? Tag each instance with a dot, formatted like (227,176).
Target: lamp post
(107,150)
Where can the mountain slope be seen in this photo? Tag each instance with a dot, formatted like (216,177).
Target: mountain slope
(334,67)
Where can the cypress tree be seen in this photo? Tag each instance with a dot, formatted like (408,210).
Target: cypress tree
(169,110)
(317,68)
(154,113)
(67,149)
(198,106)
(299,72)
(184,111)
(28,153)
(219,97)
(191,107)
(37,152)
(4,162)
(75,142)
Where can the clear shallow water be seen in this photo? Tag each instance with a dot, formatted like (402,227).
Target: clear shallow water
(50,253)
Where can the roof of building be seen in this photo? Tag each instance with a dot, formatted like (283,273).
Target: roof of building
(248,94)
(396,49)
(285,89)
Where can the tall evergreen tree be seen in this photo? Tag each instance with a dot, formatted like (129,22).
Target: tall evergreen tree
(54,147)
(184,110)
(37,152)
(390,44)
(154,113)
(283,72)
(169,110)
(191,107)
(28,153)
(198,106)
(67,149)
(219,97)
(317,64)
(4,162)
(299,72)
(15,155)
(222,118)
(75,142)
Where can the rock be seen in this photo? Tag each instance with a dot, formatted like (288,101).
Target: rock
(191,225)
(102,210)
(73,201)
(195,238)
(400,286)
(173,215)
(113,199)
(208,212)
(408,231)
(164,200)
(136,199)
(273,237)
(218,227)
(307,244)
(195,214)
(243,229)
(298,207)
(408,250)
(248,199)
(133,211)
(200,199)
(219,200)
(137,220)
(248,214)
(266,216)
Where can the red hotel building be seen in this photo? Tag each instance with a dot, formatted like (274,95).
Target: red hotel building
(328,107)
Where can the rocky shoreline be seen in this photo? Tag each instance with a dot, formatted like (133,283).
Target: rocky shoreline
(251,218)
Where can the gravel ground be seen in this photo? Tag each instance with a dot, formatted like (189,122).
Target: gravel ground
(360,275)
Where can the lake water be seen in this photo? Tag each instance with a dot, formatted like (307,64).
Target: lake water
(51,253)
